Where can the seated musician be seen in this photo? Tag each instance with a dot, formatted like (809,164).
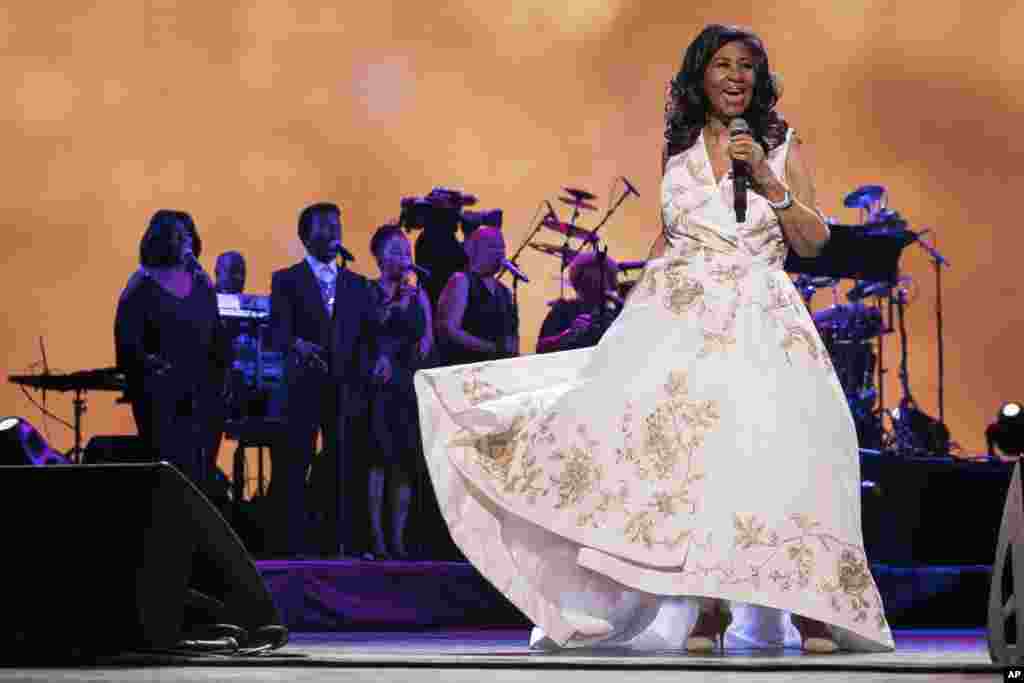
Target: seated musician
(230,273)
(580,322)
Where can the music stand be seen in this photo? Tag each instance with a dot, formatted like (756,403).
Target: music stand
(856,252)
(859,252)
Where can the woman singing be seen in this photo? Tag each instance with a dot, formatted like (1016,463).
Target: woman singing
(168,343)
(694,478)
(403,333)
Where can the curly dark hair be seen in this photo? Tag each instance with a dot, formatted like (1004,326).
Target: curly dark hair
(686,112)
(155,246)
(382,235)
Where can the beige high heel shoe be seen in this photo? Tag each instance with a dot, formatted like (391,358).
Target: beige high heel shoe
(815,636)
(709,629)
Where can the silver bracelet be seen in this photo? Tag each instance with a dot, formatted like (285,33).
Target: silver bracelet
(786,202)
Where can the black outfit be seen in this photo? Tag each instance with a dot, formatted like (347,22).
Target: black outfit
(490,316)
(394,414)
(330,402)
(560,318)
(438,250)
(171,409)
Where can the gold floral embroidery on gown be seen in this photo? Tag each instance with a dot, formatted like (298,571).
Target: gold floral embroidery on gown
(704,447)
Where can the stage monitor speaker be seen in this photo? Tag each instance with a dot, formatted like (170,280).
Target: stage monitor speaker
(115,558)
(116,448)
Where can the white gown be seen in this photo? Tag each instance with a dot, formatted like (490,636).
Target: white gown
(703,449)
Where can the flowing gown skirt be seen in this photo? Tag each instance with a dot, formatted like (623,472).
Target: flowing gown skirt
(704,449)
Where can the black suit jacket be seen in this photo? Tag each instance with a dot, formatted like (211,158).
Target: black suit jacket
(297,311)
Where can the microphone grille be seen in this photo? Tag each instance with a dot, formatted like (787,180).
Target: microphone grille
(738,126)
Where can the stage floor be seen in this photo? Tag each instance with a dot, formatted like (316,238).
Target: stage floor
(501,656)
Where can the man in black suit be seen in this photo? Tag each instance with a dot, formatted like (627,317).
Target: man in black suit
(320,317)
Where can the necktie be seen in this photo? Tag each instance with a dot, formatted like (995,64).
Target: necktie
(327,290)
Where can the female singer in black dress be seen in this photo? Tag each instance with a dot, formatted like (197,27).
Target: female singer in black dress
(168,344)
(404,334)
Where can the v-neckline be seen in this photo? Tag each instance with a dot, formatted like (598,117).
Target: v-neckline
(707,161)
(169,292)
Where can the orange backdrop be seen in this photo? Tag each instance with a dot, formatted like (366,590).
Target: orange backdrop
(241,113)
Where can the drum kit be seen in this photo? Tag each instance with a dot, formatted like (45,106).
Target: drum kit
(80,383)
(580,200)
(854,332)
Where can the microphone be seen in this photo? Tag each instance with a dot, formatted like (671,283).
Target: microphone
(516,273)
(341,251)
(740,172)
(191,262)
(419,270)
(629,187)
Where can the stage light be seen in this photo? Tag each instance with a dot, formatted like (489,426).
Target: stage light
(22,444)
(1006,434)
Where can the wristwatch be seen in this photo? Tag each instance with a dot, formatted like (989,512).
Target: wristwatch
(786,202)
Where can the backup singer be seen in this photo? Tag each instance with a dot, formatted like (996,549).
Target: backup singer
(402,333)
(193,245)
(476,317)
(168,344)
(701,454)
(580,322)
(320,317)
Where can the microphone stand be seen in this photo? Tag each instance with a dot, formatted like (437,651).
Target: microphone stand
(515,257)
(881,370)
(608,214)
(938,260)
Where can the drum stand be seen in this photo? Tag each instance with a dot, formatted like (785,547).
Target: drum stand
(75,454)
(938,260)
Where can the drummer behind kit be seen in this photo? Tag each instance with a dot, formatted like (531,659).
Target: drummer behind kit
(582,200)
(854,332)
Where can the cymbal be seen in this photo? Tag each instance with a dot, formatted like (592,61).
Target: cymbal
(102,379)
(888,218)
(818,282)
(553,250)
(570,230)
(881,223)
(863,196)
(579,194)
(866,288)
(578,203)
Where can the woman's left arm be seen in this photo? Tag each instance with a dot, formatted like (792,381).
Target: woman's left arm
(426,343)
(803,226)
